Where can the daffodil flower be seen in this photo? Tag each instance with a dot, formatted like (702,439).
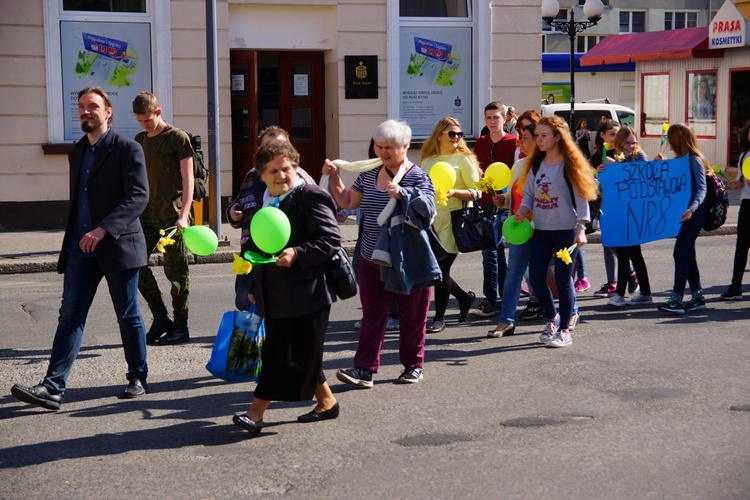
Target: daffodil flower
(240,266)
(166,238)
(440,197)
(564,254)
(664,130)
(485,185)
(607,147)
(718,171)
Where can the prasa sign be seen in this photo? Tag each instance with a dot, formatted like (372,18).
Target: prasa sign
(727,29)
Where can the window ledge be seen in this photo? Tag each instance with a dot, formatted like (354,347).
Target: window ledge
(57,149)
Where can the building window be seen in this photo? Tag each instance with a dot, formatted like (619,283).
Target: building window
(584,43)
(655,103)
(105,5)
(680,20)
(632,21)
(701,98)
(582,2)
(433,8)
(436,50)
(101,43)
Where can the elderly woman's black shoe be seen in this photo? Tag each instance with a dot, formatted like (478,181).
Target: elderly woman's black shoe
(317,416)
(244,421)
(437,326)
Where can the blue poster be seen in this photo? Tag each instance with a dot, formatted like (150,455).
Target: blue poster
(643,201)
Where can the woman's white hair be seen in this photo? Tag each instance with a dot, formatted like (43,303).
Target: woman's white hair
(397,132)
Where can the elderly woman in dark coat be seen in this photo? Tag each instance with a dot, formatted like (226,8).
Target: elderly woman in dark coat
(294,295)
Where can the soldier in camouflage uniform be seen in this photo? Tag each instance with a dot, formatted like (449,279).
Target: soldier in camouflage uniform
(169,163)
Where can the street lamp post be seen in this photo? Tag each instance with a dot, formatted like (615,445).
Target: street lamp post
(593,10)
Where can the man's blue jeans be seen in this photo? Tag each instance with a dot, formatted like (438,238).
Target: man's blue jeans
(494,265)
(81,279)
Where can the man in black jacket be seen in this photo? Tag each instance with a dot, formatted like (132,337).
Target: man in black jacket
(103,239)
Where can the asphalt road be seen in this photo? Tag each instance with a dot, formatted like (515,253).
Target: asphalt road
(643,405)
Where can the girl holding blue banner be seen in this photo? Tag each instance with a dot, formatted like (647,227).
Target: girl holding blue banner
(681,139)
(558,184)
(627,151)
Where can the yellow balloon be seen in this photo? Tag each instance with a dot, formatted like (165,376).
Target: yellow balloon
(500,175)
(443,175)
(746,168)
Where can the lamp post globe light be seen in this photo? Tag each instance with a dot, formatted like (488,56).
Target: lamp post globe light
(593,10)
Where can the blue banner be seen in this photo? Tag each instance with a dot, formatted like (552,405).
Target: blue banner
(643,201)
(430,48)
(102,45)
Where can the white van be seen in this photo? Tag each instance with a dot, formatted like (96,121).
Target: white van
(592,112)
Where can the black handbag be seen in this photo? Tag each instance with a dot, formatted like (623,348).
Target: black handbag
(474,227)
(341,272)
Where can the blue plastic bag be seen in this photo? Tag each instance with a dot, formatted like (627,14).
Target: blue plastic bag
(236,353)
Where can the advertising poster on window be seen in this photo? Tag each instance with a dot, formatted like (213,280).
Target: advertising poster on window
(436,77)
(555,93)
(113,56)
(701,113)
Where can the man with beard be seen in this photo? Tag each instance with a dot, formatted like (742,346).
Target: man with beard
(103,239)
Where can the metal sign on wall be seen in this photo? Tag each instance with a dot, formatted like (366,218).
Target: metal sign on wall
(361,77)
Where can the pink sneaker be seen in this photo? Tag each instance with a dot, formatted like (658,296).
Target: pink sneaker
(582,284)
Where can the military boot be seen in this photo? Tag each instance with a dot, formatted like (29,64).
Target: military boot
(179,333)
(162,322)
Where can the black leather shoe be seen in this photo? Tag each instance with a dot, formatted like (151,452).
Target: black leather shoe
(463,311)
(317,416)
(174,337)
(437,326)
(37,395)
(135,388)
(244,421)
(503,332)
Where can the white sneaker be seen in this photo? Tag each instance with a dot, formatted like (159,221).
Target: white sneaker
(640,299)
(550,330)
(561,339)
(616,301)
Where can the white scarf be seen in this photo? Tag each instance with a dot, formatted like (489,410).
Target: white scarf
(366,166)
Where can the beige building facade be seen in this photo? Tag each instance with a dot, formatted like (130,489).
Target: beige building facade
(46,53)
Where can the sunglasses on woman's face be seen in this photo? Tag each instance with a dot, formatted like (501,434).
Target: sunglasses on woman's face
(453,134)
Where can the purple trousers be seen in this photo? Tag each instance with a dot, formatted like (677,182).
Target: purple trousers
(376,302)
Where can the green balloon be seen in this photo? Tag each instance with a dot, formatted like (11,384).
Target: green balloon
(201,240)
(270,229)
(516,233)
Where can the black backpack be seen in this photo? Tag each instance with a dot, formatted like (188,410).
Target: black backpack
(200,172)
(717,203)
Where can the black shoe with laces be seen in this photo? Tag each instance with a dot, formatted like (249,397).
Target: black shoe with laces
(533,311)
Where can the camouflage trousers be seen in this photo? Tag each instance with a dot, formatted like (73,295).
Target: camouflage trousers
(175,266)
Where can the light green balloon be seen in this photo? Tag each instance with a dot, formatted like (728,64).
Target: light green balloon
(270,229)
(201,240)
(516,233)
